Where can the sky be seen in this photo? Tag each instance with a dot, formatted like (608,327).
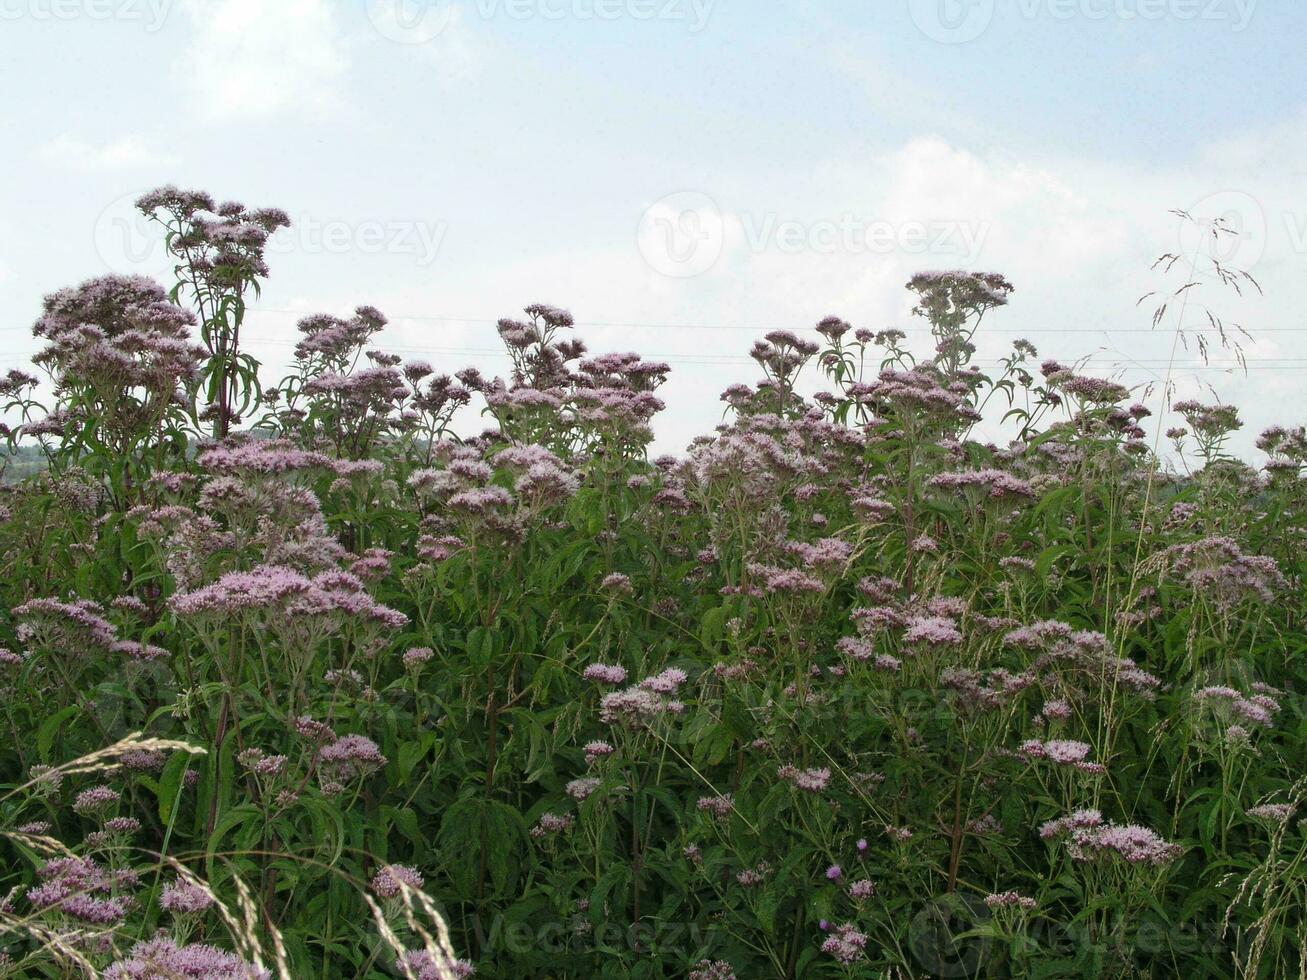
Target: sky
(684,175)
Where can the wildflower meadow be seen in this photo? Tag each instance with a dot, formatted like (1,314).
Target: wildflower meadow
(902,669)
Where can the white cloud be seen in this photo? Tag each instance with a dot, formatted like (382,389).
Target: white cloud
(256,59)
(125,152)
(1077,238)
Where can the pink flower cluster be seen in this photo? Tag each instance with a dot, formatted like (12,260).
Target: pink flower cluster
(351,755)
(1235,707)
(162,957)
(279,590)
(1009,900)
(809,780)
(1089,838)
(846,944)
(391,879)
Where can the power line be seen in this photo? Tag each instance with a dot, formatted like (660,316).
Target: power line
(1142,364)
(759,328)
(763,328)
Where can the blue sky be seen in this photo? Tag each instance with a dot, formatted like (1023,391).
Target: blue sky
(450,161)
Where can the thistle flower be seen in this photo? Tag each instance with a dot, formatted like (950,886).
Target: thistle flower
(924,544)
(423,966)
(825,555)
(1131,843)
(1082,658)
(1090,838)
(846,944)
(260,764)
(862,889)
(907,393)
(617,583)
(73,626)
(719,806)
(96,800)
(314,731)
(351,755)
(1009,900)
(581,789)
(932,631)
(786,580)
(1235,708)
(161,957)
(604,674)
(596,750)
(1217,569)
(139,651)
(552,823)
(712,970)
(391,879)
(636,707)
(258,457)
(1275,813)
(665,683)
(1056,709)
(181,897)
(989,484)
(809,780)
(75,885)
(415,657)
(1064,752)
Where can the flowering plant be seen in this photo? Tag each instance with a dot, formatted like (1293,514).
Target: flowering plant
(842,691)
